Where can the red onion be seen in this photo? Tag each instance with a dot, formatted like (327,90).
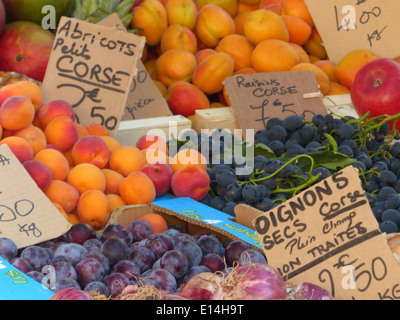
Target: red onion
(147,292)
(255,281)
(201,287)
(71,294)
(309,291)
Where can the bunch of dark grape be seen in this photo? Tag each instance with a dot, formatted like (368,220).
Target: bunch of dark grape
(368,144)
(105,264)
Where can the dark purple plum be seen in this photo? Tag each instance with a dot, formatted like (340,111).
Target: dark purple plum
(72,251)
(97,287)
(183,237)
(213,261)
(191,250)
(93,245)
(60,258)
(99,257)
(80,232)
(8,248)
(234,250)
(160,243)
(36,275)
(128,268)
(89,270)
(64,270)
(252,256)
(116,283)
(37,257)
(117,230)
(21,264)
(140,229)
(175,262)
(164,280)
(194,271)
(210,244)
(66,283)
(115,249)
(172,232)
(143,257)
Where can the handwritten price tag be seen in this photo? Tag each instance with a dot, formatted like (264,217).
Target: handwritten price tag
(328,235)
(26,215)
(92,67)
(358,24)
(256,98)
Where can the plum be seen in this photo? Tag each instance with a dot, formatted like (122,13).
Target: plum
(8,248)
(143,257)
(89,270)
(115,249)
(37,257)
(116,230)
(80,232)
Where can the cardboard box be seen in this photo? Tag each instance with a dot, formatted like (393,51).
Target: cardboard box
(131,131)
(192,215)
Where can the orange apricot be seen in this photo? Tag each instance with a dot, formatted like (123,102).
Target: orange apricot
(54,109)
(299,30)
(188,157)
(157,221)
(16,113)
(304,57)
(328,67)
(321,77)
(178,37)
(34,136)
(230,6)
(55,160)
(93,208)
(127,159)
(11,90)
(35,92)
(86,176)
(62,133)
(182,12)
(96,129)
(115,201)
(336,88)
(63,193)
(297,8)
(20,147)
(137,188)
(315,46)
(113,180)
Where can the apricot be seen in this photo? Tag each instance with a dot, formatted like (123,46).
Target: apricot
(16,113)
(111,142)
(39,172)
(213,24)
(86,176)
(137,188)
(113,180)
(11,90)
(315,46)
(55,161)
(209,75)
(175,65)
(178,37)
(63,193)
(350,64)
(264,24)
(188,157)
(240,20)
(91,149)
(299,30)
(185,98)
(35,92)
(274,55)
(182,12)
(202,54)
(151,19)
(336,88)
(157,221)
(115,201)
(192,182)
(96,129)
(328,67)
(93,208)
(297,8)
(304,57)
(239,48)
(20,147)
(127,159)
(81,130)
(230,6)
(34,135)
(62,133)
(320,76)
(54,109)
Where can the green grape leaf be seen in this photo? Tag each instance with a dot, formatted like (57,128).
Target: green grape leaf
(261,149)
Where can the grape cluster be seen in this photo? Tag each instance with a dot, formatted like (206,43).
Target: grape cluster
(105,264)
(367,144)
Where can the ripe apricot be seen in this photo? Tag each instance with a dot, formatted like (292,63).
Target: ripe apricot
(91,149)
(230,6)
(239,48)
(264,24)
(299,30)
(39,172)
(34,136)
(315,46)
(151,19)
(55,160)
(209,75)
(188,157)
(202,54)
(274,55)
(86,176)
(304,57)
(81,130)
(213,24)
(175,65)
(182,12)
(11,90)
(321,77)
(191,182)
(240,20)
(96,129)
(328,67)
(111,142)
(73,219)
(115,201)
(297,8)
(54,109)
(16,113)
(61,210)
(137,188)
(127,159)
(35,92)
(62,133)
(336,88)
(157,221)
(20,147)
(93,208)
(63,193)
(113,180)
(351,63)
(178,37)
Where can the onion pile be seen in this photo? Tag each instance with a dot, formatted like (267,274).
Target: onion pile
(202,286)
(71,294)
(147,292)
(308,291)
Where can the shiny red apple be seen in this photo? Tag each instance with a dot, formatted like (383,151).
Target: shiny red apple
(161,174)
(25,48)
(376,88)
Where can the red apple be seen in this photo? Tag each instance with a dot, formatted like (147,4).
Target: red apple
(2,16)
(376,88)
(25,48)
(161,174)
(149,141)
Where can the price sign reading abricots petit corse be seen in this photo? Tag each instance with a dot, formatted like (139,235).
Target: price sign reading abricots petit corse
(92,67)
(26,215)
(328,235)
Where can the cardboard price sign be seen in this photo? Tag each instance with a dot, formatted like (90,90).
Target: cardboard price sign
(258,97)
(27,216)
(328,235)
(92,67)
(358,24)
